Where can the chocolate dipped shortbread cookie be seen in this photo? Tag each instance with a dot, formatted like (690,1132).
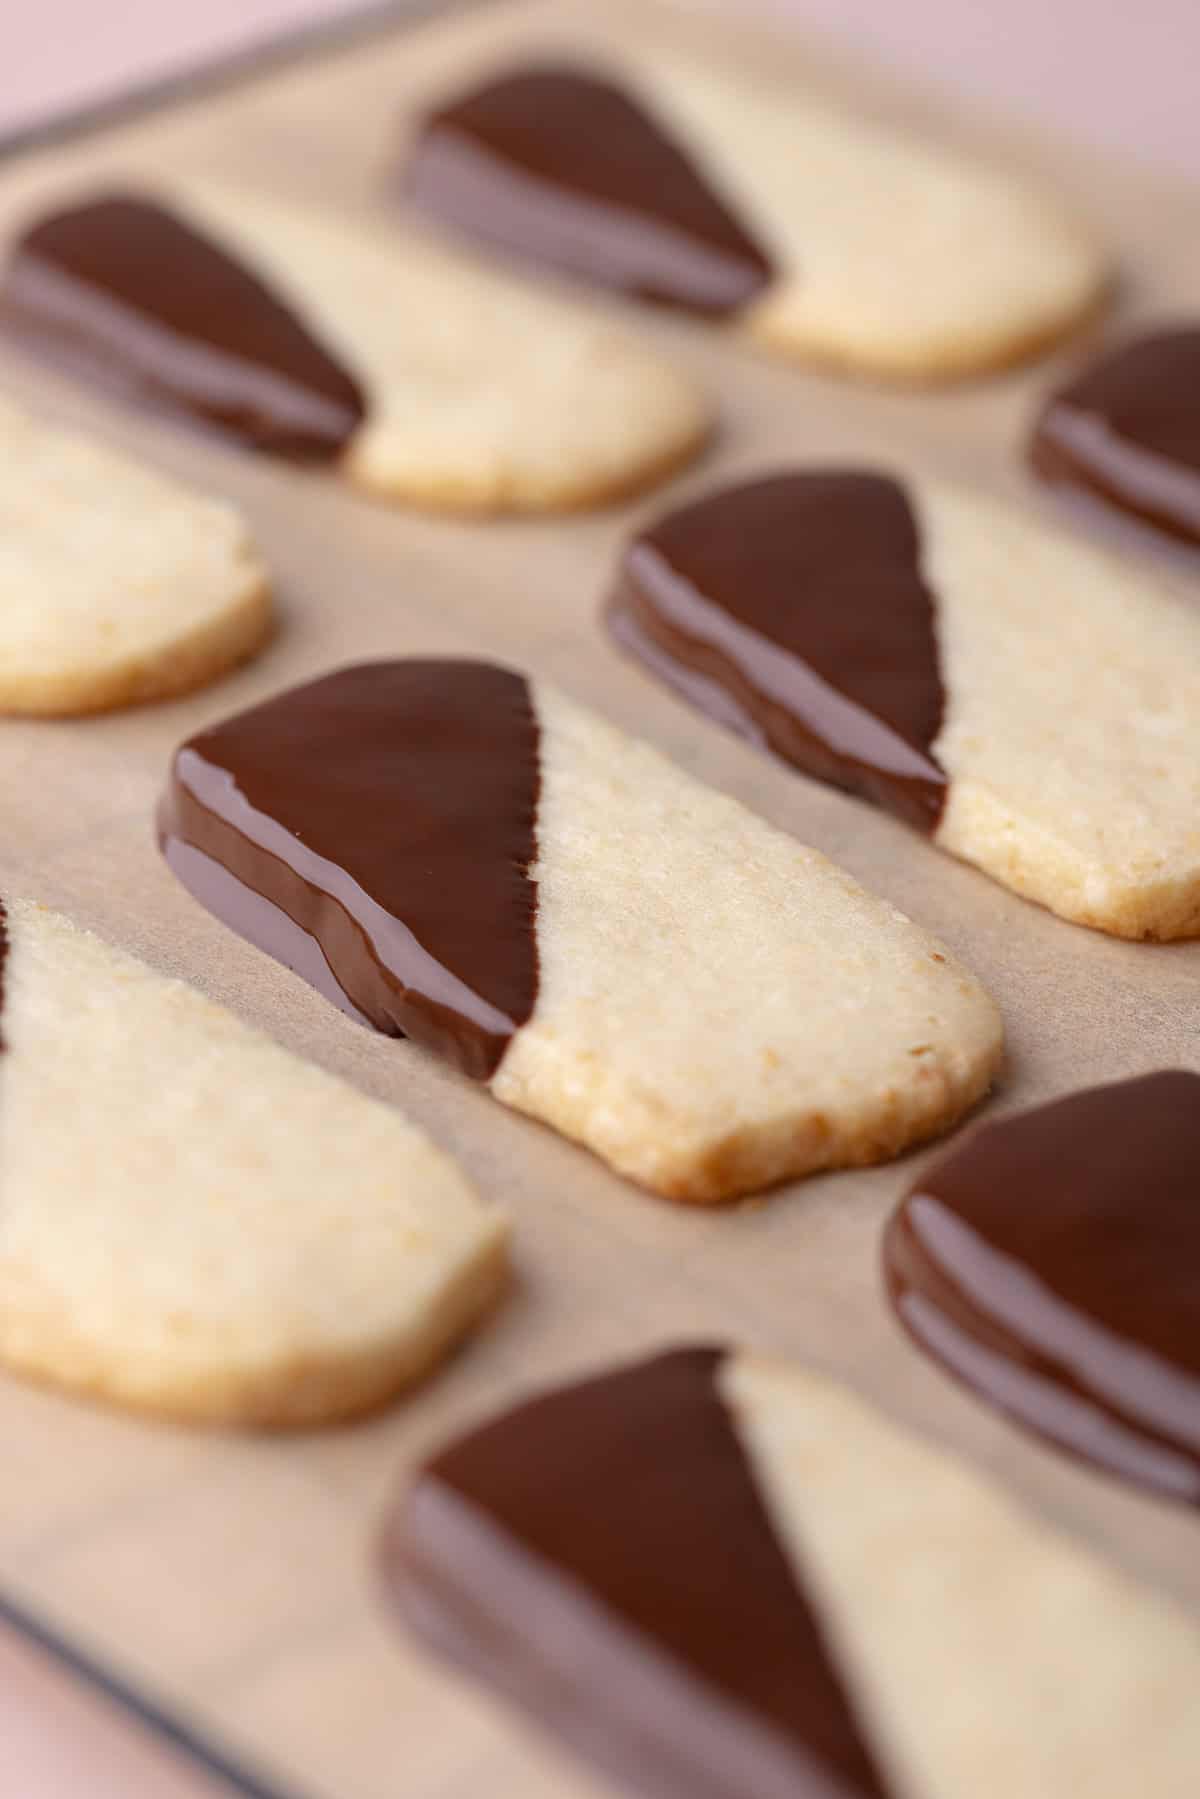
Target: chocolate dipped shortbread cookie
(817,232)
(1030,702)
(457,854)
(197,1224)
(116,584)
(308,335)
(722,1577)
(1126,430)
(1049,1262)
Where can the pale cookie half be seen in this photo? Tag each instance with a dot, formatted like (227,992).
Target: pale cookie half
(315,336)
(116,584)
(822,233)
(1072,731)
(1030,701)
(622,953)
(992,1656)
(719,1006)
(197,1224)
(715,1575)
(894,256)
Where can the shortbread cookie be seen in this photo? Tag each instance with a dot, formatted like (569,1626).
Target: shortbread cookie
(459,855)
(990,1655)
(1030,701)
(116,584)
(298,332)
(193,1222)
(1127,430)
(822,234)
(715,1576)
(1050,1263)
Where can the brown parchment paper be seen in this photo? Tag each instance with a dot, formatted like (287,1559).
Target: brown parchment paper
(231,1577)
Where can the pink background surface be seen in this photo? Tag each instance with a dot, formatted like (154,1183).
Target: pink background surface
(1121,75)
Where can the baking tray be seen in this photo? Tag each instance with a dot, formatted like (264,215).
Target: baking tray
(226,1582)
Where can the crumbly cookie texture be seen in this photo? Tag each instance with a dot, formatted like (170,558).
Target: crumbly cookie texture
(894,257)
(483,394)
(194,1223)
(116,584)
(1072,728)
(719,1007)
(989,1654)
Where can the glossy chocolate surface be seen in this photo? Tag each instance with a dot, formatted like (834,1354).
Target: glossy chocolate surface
(124,293)
(793,610)
(375,830)
(1052,1262)
(567,168)
(1128,430)
(603,1556)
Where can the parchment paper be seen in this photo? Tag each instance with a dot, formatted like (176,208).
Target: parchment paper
(232,1577)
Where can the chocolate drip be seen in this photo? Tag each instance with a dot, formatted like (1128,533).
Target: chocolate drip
(1128,429)
(793,611)
(125,294)
(1051,1263)
(375,830)
(569,169)
(602,1554)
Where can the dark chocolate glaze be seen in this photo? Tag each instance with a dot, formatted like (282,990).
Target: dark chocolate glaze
(1128,430)
(567,168)
(793,610)
(375,830)
(124,293)
(602,1554)
(1052,1262)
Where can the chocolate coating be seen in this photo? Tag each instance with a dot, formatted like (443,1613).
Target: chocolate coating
(1052,1262)
(793,610)
(125,294)
(1128,430)
(375,830)
(602,1554)
(567,168)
